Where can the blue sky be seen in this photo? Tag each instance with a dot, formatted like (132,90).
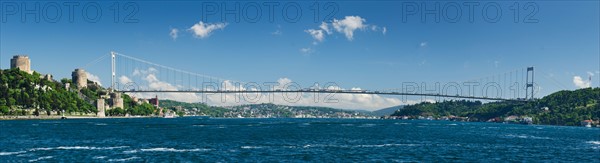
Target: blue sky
(562,42)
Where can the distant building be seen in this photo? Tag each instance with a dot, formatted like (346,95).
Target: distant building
(511,118)
(587,123)
(48,77)
(79,77)
(527,120)
(154,101)
(22,62)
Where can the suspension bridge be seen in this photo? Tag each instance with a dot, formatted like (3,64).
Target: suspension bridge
(138,76)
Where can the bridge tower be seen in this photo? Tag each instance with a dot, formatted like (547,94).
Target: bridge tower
(529,84)
(113,74)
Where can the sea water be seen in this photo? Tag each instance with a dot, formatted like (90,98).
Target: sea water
(193,139)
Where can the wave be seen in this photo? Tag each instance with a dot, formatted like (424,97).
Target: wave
(250,147)
(384,145)
(594,142)
(41,158)
(74,148)
(11,153)
(367,125)
(123,159)
(88,148)
(40,149)
(357,146)
(165,150)
(99,157)
(527,137)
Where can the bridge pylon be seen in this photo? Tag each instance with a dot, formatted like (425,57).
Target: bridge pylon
(113,73)
(529,84)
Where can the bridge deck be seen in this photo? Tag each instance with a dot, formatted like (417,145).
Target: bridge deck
(325,91)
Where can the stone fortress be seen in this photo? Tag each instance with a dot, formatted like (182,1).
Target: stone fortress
(79,77)
(22,62)
(108,99)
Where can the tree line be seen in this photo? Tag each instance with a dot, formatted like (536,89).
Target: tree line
(22,93)
(559,108)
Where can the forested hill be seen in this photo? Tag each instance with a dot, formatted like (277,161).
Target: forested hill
(260,110)
(560,108)
(22,93)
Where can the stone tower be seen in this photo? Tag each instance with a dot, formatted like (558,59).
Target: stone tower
(79,78)
(22,62)
(117,100)
(101,108)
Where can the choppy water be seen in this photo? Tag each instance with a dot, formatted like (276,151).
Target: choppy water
(296,140)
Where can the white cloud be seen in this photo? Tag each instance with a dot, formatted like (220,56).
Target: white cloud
(146,79)
(374,28)
(174,33)
(277,31)
(317,34)
(125,80)
(93,78)
(342,101)
(423,44)
(580,83)
(306,51)
(348,25)
(590,73)
(203,30)
(325,27)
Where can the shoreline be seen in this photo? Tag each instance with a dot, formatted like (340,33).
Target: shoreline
(7,118)
(16,118)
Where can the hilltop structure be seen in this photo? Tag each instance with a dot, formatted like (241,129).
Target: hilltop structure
(22,62)
(79,77)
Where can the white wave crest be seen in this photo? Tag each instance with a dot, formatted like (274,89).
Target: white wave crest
(123,159)
(88,148)
(41,158)
(594,142)
(11,153)
(250,147)
(165,150)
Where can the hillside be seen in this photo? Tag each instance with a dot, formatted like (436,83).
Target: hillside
(387,111)
(22,93)
(560,108)
(260,110)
